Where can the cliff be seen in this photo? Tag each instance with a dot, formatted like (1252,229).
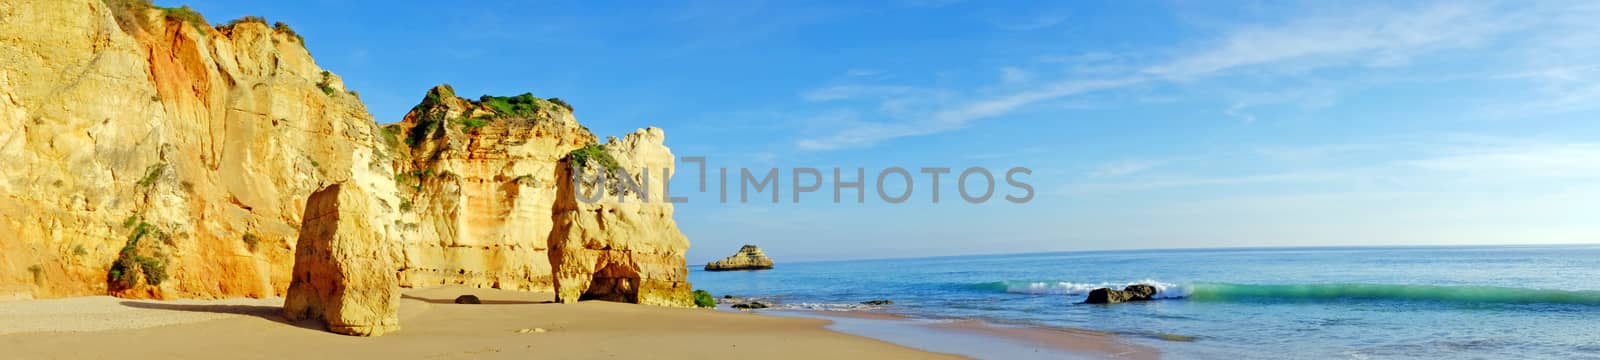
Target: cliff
(623,244)
(480,187)
(150,154)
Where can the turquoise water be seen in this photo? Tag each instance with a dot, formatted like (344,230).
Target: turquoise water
(1314,303)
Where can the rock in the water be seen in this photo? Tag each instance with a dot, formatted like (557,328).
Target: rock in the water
(877,302)
(1137,292)
(344,272)
(1141,291)
(468,299)
(751,305)
(749,257)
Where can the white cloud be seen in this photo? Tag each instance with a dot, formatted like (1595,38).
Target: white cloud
(1379,37)
(1374,37)
(1014,75)
(1126,167)
(855,92)
(866,134)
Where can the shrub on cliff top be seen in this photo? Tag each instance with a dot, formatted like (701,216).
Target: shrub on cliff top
(595,153)
(520,105)
(561,103)
(284,28)
(247,19)
(704,299)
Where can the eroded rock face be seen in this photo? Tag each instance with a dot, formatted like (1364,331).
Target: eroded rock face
(344,269)
(479,189)
(749,257)
(621,247)
(208,139)
(1136,292)
(159,157)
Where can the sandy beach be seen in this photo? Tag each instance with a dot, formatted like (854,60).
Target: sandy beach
(507,325)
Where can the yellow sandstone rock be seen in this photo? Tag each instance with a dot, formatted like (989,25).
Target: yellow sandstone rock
(344,269)
(151,155)
(621,247)
(211,136)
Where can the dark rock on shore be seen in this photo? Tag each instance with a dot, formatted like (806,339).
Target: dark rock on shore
(877,302)
(749,257)
(1137,292)
(468,299)
(751,305)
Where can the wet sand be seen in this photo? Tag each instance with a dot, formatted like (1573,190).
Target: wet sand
(507,325)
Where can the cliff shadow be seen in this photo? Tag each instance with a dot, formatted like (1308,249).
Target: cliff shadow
(452,301)
(269,313)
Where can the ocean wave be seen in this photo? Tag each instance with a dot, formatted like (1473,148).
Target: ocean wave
(1333,292)
(1163,290)
(823,307)
(1226,292)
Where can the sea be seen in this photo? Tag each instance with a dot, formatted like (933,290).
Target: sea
(1480,302)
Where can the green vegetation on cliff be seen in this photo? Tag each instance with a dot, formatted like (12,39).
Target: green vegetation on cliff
(595,153)
(128,260)
(129,15)
(504,106)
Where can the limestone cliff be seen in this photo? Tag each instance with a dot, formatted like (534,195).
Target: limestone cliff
(622,245)
(480,185)
(148,154)
(489,203)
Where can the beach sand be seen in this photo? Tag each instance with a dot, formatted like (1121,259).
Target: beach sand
(434,327)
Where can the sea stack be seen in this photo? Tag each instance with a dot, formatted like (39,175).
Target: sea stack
(344,271)
(749,257)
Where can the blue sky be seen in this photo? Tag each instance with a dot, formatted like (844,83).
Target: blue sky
(1147,124)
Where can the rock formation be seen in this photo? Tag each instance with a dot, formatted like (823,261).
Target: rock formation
(624,245)
(144,136)
(1136,292)
(749,257)
(149,154)
(344,271)
(480,188)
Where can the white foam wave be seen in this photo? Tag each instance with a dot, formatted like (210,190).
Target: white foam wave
(1163,290)
(822,307)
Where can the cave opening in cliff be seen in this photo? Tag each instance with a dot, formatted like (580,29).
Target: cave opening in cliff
(614,282)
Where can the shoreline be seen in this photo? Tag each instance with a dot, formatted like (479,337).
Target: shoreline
(504,326)
(978,338)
